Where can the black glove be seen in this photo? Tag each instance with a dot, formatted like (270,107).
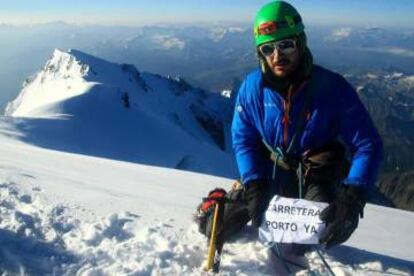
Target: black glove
(256,196)
(342,215)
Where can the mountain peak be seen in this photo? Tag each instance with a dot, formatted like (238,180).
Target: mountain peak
(64,64)
(69,74)
(66,74)
(116,102)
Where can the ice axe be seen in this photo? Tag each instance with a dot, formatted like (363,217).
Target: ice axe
(216,241)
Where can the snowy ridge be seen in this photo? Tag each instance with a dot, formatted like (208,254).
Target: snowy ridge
(80,103)
(61,66)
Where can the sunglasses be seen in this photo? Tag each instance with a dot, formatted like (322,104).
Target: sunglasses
(285,46)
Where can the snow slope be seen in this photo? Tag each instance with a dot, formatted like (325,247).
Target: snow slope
(82,104)
(65,213)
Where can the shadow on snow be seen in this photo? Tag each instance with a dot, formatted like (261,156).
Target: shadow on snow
(355,257)
(104,128)
(26,255)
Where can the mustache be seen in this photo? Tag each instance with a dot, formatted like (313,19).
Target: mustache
(282,62)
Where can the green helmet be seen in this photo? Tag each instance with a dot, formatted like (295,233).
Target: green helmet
(275,21)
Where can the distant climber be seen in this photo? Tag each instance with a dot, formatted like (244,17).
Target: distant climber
(125,100)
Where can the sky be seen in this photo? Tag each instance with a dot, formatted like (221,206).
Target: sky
(394,13)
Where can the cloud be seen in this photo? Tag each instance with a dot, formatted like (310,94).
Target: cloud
(218,33)
(391,50)
(339,34)
(168,42)
(400,52)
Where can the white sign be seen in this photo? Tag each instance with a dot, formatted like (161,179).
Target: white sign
(292,220)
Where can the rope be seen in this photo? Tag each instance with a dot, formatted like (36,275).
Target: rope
(274,168)
(279,255)
(276,251)
(325,262)
(300,182)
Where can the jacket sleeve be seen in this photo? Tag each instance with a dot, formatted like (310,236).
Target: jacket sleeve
(362,138)
(247,141)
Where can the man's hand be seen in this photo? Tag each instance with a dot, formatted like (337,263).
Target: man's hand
(342,215)
(257,199)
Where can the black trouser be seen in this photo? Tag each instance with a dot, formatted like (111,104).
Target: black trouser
(236,216)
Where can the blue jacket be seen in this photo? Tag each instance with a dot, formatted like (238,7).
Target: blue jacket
(335,112)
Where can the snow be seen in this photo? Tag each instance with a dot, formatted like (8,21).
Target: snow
(371,76)
(397,75)
(77,104)
(359,88)
(76,214)
(48,82)
(409,80)
(71,203)
(226,93)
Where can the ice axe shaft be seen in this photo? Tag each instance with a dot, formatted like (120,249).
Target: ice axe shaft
(213,260)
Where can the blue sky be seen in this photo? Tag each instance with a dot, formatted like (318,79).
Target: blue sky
(129,12)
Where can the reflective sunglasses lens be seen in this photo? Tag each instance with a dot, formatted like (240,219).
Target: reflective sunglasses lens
(267,49)
(287,46)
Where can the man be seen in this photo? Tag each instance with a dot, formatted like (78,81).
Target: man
(288,118)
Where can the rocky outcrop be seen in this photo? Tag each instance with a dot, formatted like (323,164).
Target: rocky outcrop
(399,187)
(389,98)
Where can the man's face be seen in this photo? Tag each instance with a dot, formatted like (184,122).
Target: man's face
(282,57)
